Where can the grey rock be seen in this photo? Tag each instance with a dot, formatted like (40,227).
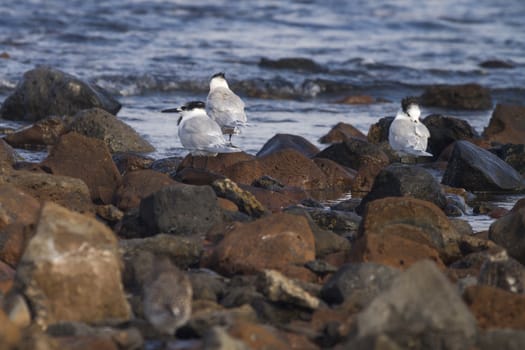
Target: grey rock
(218,339)
(501,271)
(508,230)
(45,91)
(475,169)
(285,141)
(207,284)
(182,209)
(508,339)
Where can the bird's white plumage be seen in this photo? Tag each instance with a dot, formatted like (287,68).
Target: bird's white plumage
(201,135)
(407,135)
(225,107)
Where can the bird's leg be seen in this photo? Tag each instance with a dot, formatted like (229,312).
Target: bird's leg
(230,140)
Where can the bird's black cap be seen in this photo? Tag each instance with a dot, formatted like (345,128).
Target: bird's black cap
(407,101)
(193,105)
(220,74)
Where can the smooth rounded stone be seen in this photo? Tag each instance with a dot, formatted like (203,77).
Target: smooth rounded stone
(217,338)
(245,200)
(87,159)
(181,209)
(207,284)
(42,133)
(508,233)
(399,180)
(342,132)
(167,297)
(280,142)
(129,161)
(445,130)
(413,219)
(292,63)
(420,310)
(496,308)
(81,255)
(288,166)
(45,91)
(501,271)
(506,124)
(118,136)
(139,184)
(17,309)
(465,96)
(358,283)
(69,192)
(277,288)
(283,242)
(378,132)
(512,154)
(508,339)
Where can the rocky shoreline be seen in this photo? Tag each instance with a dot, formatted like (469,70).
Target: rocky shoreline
(104,247)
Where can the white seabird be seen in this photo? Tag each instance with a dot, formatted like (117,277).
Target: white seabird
(198,133)
(224,106)
(407,135)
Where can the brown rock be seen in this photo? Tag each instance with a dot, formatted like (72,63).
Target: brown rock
(276,201)
(87,159)
(413,219)
(342,132)
(288,166)
(13,242)
(216,164)
(16,206)
(259,337)
(496,308)
(7,276)
(139,184)
(337,175)
(86,342)
(64,190)
(378,132)
(7,156)
(10,334)
(507,124)
(197,176)
(357,100)
(466,96)
(282,242)
(71,270)
(245,200)
(128,161)
(43,132)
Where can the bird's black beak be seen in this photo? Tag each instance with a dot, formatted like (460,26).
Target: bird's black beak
(172,110)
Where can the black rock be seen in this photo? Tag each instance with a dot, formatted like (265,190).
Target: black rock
(475,169)
(45,91)
(286,141)
(512,154)
(445,130)
(466,96)
(399,180)
(378,132)
(293,63)
(182,209)
(508,232)
(352,153)
(496,64)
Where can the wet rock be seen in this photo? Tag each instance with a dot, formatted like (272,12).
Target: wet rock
(67,191)
(342,132)
(7,156)
(509,339)
(293,63)
(399,180)
(501,271)
(507,124)
(514,155)
(357,100)
(496,308)
(167,297)
(182,209)
(281,142)
(128,161)
(496,64)
(87,159)
(45,91)
(445,130)
(139,184)
(378,132)
(413,219)
(508,233)
(466,96)
(117,135)
(282,242)
(44,132)
(278,288)
(338,176)
(80,255)
(363,156)
(358,283)
(288,166)
(476,169)
(421,310)
(217,164)
(245,201)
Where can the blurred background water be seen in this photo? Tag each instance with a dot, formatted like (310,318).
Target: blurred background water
(157,54)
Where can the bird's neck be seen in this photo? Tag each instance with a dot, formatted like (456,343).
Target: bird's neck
(195,113)
(218,83)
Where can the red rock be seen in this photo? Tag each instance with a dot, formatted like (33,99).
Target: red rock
(13,242)
(282,242)
(7,276)
(214,164)
(342,132)
(337,175)
(496,308)
(227,204)
(17,206)
(87,159)
(43,132)
(139,184)
(197,176)
(276,201)
(507,125)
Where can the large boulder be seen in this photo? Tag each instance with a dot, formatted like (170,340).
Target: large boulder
(507,124)
(45,91)
(181,209)
(87,159)
(508,230)
(118,136)
(466,96)
(476,169)
(81,256)
(445,130)
(342,132)
(378,132)
(44,132)
(280,142)
(399,180)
